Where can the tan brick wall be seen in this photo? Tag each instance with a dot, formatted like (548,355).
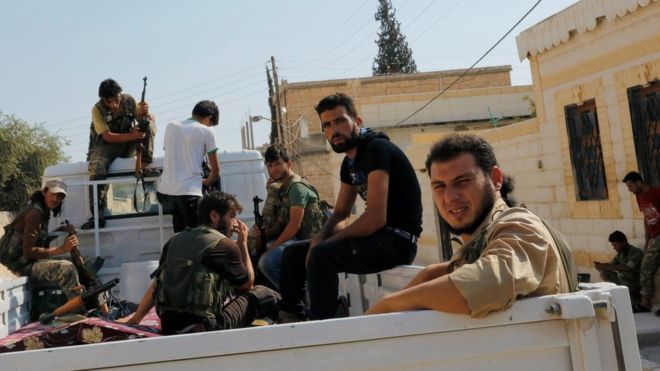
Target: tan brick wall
(319,170)
(300,98)
(600,64)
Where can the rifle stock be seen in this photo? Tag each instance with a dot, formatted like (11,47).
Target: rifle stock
(86,273)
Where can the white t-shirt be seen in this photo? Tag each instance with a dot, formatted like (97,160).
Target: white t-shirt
(186,143)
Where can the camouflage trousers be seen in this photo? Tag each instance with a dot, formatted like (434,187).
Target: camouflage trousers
(101,155)
(628,279)
(59,272)
(650,263)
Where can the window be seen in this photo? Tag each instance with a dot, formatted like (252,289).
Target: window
(121,199)
(586,151)
(644,102)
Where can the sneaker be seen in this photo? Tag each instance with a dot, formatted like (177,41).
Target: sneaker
(89,224)
(259,323)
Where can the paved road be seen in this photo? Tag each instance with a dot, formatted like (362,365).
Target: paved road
(648,335)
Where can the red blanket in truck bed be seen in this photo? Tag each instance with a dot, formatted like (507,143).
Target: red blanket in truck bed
(87,331)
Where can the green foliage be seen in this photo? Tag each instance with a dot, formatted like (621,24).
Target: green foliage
(394,55)
(25,151)
(532,104)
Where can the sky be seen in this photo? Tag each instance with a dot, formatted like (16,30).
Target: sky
(54,54)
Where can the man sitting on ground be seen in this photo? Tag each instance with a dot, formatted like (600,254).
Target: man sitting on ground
(623,269)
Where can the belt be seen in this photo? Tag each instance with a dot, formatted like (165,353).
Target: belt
(403,234)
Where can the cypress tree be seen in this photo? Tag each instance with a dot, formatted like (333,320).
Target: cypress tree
(394,55)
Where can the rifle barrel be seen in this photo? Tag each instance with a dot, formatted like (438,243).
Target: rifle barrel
(99,289)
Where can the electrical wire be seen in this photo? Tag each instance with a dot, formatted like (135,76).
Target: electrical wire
(168,94)
(470,68)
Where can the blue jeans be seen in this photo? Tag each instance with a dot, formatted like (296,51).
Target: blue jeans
(270,262)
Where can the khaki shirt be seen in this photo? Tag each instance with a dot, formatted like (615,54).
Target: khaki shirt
(519,259)
(101,122)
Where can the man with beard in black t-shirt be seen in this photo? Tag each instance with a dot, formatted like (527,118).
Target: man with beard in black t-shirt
(384,236)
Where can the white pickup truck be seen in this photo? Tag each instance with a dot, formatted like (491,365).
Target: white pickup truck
(592,329)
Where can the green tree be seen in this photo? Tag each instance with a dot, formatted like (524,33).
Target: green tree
(394,55)
(25,151)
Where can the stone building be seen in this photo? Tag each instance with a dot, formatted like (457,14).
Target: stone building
(595,70)
(484,98)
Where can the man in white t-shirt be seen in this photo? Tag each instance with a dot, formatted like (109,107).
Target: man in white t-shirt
(186,144)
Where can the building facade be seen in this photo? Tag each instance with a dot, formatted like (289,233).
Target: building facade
(484,98)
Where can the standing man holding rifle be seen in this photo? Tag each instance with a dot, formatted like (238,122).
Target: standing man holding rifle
(113,134)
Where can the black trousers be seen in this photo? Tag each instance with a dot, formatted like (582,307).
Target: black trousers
(239,312)
(363,255)
(183,209)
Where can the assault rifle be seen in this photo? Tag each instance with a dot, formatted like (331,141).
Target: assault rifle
(78,301)
(206,171)
(259,222)
(142,124)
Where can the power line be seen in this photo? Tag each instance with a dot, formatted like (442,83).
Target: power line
(352,67)
(222,104)
(470,68)
(418,15)
(260,76)
(220,95)
(166,95)
(344,43)
(333,32)
(436,21)
(210,81)
(158,109)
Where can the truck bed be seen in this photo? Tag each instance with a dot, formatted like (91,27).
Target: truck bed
(589,330)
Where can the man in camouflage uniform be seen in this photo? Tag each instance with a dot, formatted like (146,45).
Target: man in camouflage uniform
(25,250)
(299,212)
(648,200)
(623,269)
(113,134)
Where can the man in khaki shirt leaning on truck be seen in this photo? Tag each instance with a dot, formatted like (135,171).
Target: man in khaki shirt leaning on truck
(507,253)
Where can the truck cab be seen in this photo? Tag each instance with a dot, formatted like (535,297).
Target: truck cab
(136,229)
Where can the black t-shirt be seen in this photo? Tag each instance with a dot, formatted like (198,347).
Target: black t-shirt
(404,199)
(226,262)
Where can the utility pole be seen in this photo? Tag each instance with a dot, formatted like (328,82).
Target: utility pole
(251,129)
(278,106)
